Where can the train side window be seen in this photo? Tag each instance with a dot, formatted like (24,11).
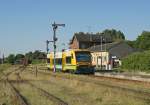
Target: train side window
(68,60)
(56,61)
(59,61)
(72,56)
(48,60)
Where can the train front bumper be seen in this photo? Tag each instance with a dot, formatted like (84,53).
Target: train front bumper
(85,70)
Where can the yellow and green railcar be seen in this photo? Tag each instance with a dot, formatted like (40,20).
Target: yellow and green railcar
(74,60)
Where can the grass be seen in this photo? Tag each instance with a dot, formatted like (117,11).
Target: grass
(134,85)
(5,92)
(76,92)
(79,93)
(32,95)
(4,67)
(5,96)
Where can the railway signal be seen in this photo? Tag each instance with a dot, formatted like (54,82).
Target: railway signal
(55,26)
(47,42)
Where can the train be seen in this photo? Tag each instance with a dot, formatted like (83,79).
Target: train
(72,60)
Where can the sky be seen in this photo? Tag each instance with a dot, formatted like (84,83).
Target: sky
(25,25)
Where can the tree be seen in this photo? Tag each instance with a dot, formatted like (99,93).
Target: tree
(109,33)
(29,57)
(114,34)
(131,43)
(36,54)
(11,58)
(19,57)
(42,55)
(143,41)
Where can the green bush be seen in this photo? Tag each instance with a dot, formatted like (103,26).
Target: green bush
(139,61)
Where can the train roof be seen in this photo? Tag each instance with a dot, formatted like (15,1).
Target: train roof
(67,50)
(76,50)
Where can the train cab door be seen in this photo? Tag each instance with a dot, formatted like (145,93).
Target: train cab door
(63,61)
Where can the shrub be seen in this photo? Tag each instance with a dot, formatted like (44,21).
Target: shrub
(139,61)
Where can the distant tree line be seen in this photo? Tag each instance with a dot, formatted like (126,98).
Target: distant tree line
(113,34)
(142,42)
(31,57)
(110,33)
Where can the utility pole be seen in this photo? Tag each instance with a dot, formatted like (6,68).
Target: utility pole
(105,54)
(55,26)
(3,59)
(90,33)
(101,51)
(47,49)
(0,58)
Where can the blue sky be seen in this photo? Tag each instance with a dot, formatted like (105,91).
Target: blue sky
(25,25)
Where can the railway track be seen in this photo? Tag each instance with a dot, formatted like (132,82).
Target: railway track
(120,79)
(48,95)
(43,92)
(141,94)
(104,77)
(17,97)
(20,99)
(110,77)
(125,77)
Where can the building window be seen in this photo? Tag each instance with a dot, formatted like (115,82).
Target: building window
(95,58)
(104,58)
(83,46)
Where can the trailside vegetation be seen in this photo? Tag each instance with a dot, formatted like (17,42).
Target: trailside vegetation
(139,61)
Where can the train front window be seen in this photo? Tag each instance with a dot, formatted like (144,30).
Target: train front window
(83,56)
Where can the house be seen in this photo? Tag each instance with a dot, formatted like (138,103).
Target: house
(108,56)
(84,41)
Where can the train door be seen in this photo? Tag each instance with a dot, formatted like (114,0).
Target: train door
(48,61)
(58,61)
(63,61)
(69,63)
